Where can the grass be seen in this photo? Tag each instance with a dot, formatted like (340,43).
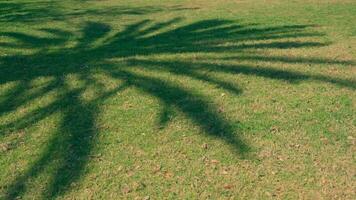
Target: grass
(177,99)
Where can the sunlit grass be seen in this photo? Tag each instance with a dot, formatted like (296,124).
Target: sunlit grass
(177,99)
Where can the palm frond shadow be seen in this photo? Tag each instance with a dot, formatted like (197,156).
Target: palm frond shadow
(37,11)
(71,145)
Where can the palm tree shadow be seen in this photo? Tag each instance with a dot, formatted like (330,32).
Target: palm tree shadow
(70,148)
(24,12)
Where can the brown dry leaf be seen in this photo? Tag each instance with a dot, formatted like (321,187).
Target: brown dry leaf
(126,189)
(129,173)
(221,109)
(228,186)
(280,158)
(214,161)
(205,146)
(157,169)
(224,172)
(168,175)
(4,147)
(324,140)
(274,129)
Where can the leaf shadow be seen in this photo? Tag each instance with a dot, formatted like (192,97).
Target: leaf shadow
(68,151)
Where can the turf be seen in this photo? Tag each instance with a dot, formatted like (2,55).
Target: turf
(173,99)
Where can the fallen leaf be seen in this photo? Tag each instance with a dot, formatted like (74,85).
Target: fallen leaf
(4,147)
(168,175)
(220,110)
(126,190)
(214,161)
(274,129)
(205,146)
(324,140)
(157,169)
(224,172)
(228,186)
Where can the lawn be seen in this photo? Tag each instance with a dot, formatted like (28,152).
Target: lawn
(177,99)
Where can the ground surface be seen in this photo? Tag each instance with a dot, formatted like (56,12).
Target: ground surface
(202,99)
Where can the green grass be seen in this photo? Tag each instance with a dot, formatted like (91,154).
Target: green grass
(176,99)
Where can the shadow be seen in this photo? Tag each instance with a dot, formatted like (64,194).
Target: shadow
(291,60)
(118,56)
(266,72)
(52,10)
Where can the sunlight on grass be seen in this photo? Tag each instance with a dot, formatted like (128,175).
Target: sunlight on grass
(176,99)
